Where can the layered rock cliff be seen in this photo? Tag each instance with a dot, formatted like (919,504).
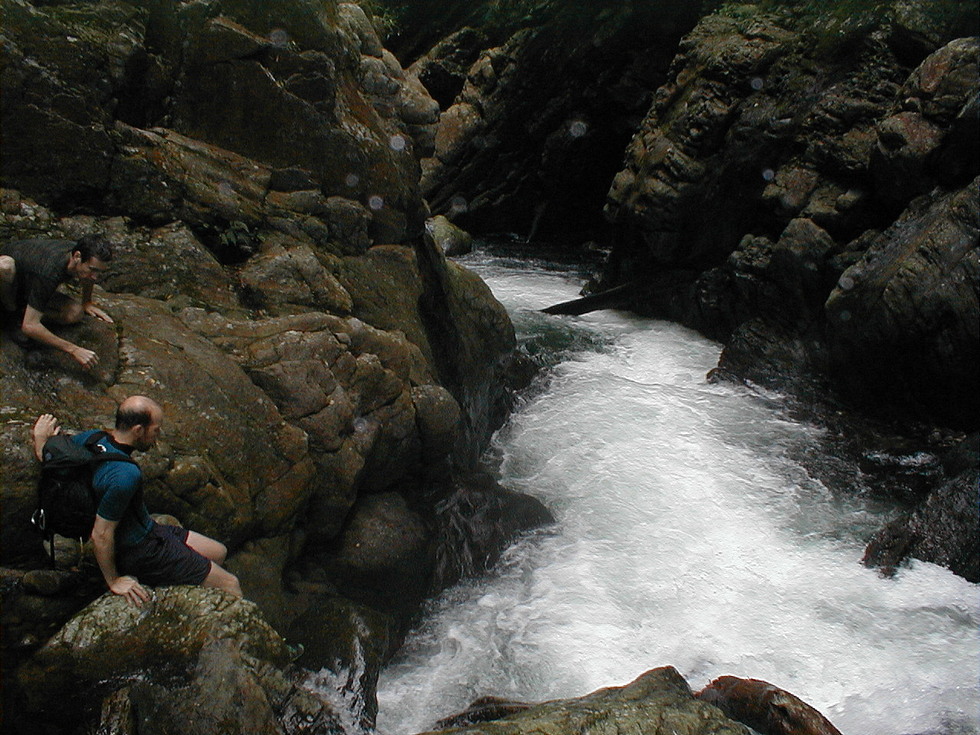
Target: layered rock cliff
(322,367)
(784,196)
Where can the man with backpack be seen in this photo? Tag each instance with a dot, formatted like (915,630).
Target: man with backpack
(31,272)
(130,547)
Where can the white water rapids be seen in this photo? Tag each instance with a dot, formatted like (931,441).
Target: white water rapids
(687,535)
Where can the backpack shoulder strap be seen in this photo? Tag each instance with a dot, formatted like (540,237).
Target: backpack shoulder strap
(100,454)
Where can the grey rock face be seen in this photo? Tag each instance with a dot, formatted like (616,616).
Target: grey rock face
(772,185)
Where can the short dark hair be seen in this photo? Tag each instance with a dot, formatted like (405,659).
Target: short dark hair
(130,417)
(94,246)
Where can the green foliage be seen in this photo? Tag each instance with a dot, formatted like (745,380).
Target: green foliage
(411,27)
(841,19)
(414,25)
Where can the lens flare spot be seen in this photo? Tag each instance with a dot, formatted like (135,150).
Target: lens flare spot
(279,37)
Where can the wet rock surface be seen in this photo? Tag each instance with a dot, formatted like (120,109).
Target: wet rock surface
(765,708)
(535,133)
(766,202)
(256,171)
(190,660)
(657,703)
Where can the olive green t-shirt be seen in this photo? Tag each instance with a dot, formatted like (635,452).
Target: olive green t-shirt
(41,266)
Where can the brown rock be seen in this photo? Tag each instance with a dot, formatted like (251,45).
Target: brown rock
(765,708)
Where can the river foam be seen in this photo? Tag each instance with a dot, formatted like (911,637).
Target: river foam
(687,535)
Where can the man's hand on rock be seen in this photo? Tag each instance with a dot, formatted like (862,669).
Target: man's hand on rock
(93,310)
(86,358)
(44,428)
(131,589)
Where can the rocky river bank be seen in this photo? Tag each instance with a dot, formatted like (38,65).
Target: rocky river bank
(330,379)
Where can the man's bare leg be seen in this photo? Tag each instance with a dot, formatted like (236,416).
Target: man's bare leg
(8,270)
(213,550)
(216,552)
(223,580)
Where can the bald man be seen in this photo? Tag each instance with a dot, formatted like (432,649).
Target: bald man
(130,547)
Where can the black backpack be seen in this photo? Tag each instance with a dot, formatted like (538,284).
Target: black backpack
(66,500)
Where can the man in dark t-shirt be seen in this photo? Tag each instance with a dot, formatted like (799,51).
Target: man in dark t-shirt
(31,272)
(130,547)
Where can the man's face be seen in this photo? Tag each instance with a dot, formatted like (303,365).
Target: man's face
(90,270)
(149,433)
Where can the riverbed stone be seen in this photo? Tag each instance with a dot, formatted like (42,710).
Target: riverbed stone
(943,529)
(658,702)
(765,708)
(453,240)
(383,558)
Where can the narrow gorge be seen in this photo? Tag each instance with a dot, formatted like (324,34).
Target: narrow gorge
(711,369)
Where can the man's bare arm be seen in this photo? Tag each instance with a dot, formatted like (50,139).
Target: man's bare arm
(33,328)
(104,544)
(88,303)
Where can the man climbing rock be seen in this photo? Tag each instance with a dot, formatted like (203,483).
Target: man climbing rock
(130,547)
(31,272)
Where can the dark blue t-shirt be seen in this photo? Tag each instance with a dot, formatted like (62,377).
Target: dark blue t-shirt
(120,487)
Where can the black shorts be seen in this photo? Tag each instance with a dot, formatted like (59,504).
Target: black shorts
(164,558)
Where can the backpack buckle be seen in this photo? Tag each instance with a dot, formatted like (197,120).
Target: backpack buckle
(38,519)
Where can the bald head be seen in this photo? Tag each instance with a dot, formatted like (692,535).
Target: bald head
(137,411)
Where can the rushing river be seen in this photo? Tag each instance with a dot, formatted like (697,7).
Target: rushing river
(688,535)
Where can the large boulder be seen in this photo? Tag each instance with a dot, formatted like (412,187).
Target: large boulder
(190,655)
(765,708)
(943,529)
(63,70)
(229,465)
(932,135)
(293,86)
(659,702)
(353,390)
(447,311)
(443,69)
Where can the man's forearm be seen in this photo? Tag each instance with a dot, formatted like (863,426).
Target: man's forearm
(39,332)
(104,545)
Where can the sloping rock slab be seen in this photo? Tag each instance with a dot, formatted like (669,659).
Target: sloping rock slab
(657,703)
(193,661)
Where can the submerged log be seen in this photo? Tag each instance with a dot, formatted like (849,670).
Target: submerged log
(609,299)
